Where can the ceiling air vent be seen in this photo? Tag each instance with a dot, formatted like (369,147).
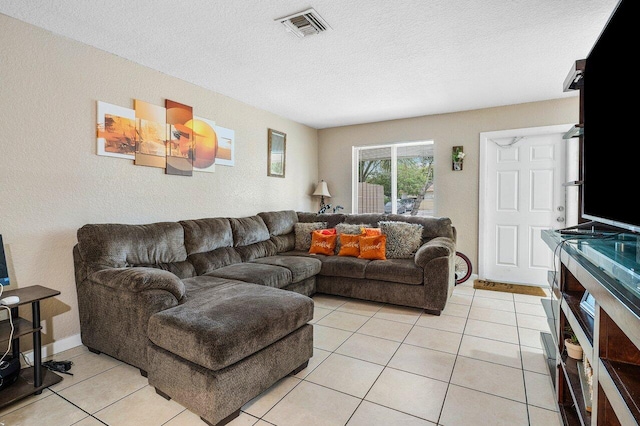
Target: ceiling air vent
(304,23)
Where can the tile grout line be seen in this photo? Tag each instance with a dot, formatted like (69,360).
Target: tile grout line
(304,379)
(523,369)
(374,382)
(171,417)
(307,375)
(524,379)
(78,407)
(338,347)
(57,392)
(108,405)
(120,363)
(455,361)
(385,366)
(457,354)
(382,371)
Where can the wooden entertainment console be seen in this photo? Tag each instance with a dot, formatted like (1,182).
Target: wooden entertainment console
(610,339)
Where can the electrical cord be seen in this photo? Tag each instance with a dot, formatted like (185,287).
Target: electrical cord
(26,361)
(58,366)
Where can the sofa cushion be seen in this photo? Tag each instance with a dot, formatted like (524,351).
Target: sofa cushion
(301,267)
(280,222)
(158,245)
(395,270)
(248,230)
(370,220)
(229,322)
(343,266)
(205,235)
(332,219)
(350,228)
(403,239)
(256,273)
(212,260)
(432,227)
(302,253)
(194,286)
(256,250)
(284,242)
(303,233)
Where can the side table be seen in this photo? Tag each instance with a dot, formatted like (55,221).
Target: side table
(32,380)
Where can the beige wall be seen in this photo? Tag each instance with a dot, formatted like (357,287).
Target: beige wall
(456,193)
(52,182)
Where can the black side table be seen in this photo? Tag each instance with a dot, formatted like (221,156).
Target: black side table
(32,380)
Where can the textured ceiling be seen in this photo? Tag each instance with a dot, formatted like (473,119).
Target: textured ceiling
(381,60)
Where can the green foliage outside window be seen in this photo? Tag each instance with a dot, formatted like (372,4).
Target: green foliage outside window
(415,176)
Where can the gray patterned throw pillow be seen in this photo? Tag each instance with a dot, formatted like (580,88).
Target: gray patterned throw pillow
(403,239)
(303,232)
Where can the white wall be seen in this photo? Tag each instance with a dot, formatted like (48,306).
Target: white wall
(52,182)
(456,192)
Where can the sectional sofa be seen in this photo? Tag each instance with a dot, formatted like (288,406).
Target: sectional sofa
(198,305)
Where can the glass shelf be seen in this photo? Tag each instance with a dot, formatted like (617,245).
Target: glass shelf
(617,255)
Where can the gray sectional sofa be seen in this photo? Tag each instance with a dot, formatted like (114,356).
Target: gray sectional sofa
(198,305)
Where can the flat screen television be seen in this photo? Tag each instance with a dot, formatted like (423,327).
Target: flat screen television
(4,271)
(610,157)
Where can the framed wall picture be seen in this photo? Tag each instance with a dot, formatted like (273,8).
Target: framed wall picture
(277,153)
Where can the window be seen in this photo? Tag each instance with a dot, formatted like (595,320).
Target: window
(402,172)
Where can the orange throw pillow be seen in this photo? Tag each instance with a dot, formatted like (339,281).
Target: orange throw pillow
(323,244)
(370,232)
(349,245)
(328,231)
(373,247)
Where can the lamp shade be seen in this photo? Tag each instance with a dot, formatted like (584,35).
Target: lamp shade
(322,189)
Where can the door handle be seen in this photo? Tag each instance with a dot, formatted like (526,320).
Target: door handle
(560,219)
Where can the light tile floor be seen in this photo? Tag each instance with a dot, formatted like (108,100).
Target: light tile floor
(479,363)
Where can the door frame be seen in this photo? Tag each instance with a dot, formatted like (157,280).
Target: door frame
(485,139)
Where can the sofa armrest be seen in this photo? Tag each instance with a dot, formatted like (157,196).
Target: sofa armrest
(140,279)
(432,249)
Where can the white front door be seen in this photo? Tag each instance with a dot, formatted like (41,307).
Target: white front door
(521,194)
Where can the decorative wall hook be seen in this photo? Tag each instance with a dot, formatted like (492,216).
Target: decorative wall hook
(457,157)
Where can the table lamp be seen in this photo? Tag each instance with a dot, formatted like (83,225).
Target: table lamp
(323,191)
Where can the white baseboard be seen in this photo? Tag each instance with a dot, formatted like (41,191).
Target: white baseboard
(57,347)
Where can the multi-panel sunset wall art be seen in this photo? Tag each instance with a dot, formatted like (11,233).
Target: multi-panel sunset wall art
(168,137)
(180,149)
